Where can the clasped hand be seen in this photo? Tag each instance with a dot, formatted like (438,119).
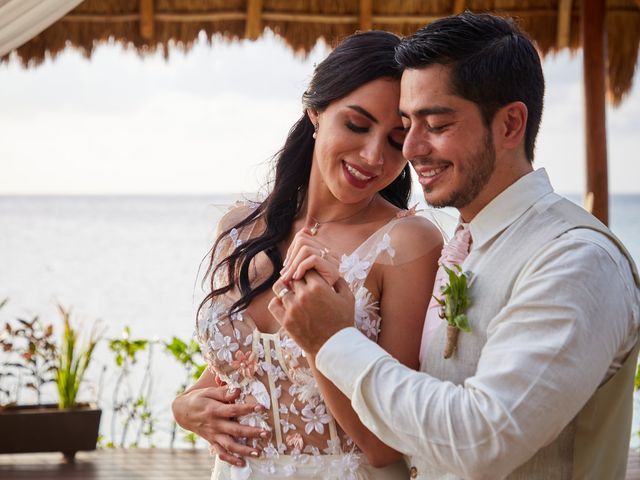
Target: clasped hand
(312,302)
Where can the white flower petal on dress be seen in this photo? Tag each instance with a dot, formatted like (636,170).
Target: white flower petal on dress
(259,391)
(286,426)
(385,246)
(289,344)
(352,268)
(240,473)
(366,309)
(347,466)
(208,326)
(307,390)
(270,451)
(315,418)
(255,419)
(312,450)
(278,373)
(234,237)
(224,347)
(267,467)
(333,447)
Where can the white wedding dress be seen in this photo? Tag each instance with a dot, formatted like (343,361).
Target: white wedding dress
(272,370)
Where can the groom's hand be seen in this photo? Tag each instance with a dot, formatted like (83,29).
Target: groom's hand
(312,311)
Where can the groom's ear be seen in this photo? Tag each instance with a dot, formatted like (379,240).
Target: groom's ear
(509,125)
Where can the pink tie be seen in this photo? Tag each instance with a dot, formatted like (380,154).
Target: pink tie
(453,252)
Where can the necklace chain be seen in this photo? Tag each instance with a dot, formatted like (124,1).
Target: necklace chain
(317,223)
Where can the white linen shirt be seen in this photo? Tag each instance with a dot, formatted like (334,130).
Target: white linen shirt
(571,285)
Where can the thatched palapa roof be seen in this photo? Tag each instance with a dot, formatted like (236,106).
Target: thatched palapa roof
(151,24)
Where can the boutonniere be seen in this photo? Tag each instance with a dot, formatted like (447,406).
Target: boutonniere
(454,303)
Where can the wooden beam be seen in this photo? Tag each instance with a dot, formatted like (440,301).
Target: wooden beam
(147,24)
(253,28)
(300,17)
(458,7)
(564,23)
(593,31)
(366,15)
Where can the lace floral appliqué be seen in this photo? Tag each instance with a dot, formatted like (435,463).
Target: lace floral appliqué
(271,369)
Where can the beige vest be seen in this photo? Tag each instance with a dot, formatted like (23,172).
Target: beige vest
(595,444)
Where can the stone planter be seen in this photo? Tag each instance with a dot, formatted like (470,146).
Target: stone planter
(46,428)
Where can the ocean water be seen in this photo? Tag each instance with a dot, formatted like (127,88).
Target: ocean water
(135,261)
(124,261)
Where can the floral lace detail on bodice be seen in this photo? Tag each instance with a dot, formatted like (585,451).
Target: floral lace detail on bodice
(271,369)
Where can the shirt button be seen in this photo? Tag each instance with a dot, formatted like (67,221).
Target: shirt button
(413,472)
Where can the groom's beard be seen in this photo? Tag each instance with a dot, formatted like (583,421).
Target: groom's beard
(480,167)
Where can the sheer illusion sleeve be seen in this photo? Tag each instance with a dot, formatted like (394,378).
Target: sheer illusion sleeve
(405,238)
(224,339)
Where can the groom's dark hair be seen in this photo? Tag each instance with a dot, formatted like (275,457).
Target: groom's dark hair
(491,63)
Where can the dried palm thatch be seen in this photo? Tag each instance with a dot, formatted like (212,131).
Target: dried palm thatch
(147,25)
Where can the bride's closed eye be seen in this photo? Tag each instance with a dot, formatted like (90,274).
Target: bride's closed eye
(396,138)
(356,128)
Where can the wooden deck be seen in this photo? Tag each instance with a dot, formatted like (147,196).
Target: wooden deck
(137,464)
(107,464)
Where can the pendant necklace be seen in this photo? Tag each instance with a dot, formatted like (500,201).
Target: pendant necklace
(317,223)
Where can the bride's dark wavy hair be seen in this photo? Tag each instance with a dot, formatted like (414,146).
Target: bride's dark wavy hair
(357,60)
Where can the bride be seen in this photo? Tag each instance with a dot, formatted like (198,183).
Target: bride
(338,204)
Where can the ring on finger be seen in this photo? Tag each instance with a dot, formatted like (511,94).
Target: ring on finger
(324,252)
(283,292)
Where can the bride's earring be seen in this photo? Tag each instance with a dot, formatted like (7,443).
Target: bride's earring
(315,131)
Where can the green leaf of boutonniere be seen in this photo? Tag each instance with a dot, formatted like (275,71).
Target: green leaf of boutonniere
(454,304)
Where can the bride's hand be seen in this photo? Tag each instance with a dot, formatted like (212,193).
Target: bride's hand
(306,253)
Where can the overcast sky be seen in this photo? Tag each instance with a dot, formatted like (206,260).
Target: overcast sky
(207,122)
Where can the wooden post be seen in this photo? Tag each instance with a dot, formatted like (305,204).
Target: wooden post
(564,23)
(147,27)
(253,25)
(366,15)
(458,6)
(593,18)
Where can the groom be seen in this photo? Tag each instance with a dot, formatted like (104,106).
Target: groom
(542,386)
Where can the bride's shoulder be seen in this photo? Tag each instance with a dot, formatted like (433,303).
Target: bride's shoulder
(412,235)
(411,224)
(236,213)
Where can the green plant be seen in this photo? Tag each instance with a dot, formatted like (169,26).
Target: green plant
(132,407)
(125,348)
(34,354)
(187,354)
(73,361)
(36,359)
(6,346)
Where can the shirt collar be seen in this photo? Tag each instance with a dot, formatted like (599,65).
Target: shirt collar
(508,206)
